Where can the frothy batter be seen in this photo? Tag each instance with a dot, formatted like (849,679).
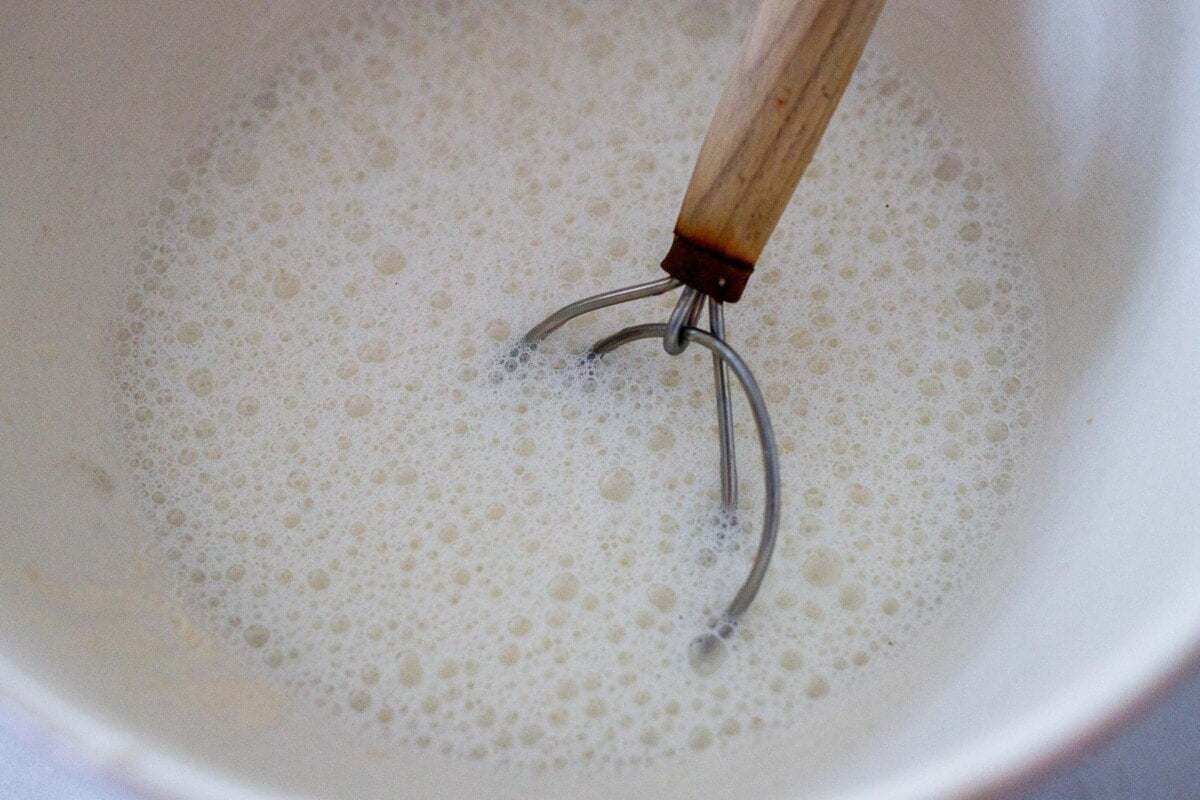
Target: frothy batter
(512,570)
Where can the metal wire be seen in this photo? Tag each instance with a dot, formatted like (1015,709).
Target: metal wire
(594,303)
(729,487)
(766,441)
(685,313)
(706,650)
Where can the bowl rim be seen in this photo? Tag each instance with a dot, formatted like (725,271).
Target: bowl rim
(1001,764)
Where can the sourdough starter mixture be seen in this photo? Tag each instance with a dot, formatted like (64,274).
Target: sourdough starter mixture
(510,567)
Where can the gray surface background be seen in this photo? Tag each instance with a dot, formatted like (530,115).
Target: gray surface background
(1155,757)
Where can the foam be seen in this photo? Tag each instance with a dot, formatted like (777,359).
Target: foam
(512,570)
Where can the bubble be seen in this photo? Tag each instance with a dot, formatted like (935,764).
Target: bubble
(189,333)
(200,381)
(996,431)
(248,406)
(700,738)
(286,285)
(530,735)
(359,700)
(498,330)
(383,155)
(852,597)
(617,485)
(972,294)
(201,226)
(318,579)
(516,60)
(509,654)
(358,405)
(389,260)
(563,587)
(662,597)
(822,567)
(859,495)
(374,351)
(661,439)
(706,654)
(949,167)
(598,207)
(931,386)
(597,46)
(256,635)
(410,672)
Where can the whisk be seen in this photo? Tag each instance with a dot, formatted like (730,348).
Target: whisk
(794,65)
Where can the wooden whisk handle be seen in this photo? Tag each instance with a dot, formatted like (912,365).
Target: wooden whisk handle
(792,71)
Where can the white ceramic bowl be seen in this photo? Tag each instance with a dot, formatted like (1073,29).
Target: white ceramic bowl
(1091,601)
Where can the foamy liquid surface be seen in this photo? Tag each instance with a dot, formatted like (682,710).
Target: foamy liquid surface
(511,570)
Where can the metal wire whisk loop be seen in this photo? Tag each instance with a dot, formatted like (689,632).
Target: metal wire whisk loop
(676,334)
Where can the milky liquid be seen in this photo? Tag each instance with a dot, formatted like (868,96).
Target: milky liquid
(512,570)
